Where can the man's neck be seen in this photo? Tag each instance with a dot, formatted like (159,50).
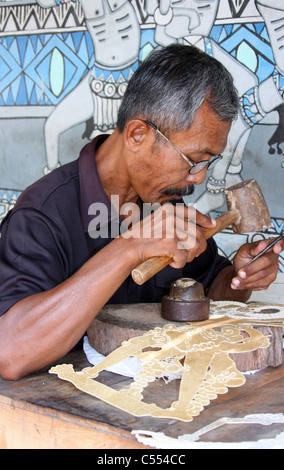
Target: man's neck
(112,169)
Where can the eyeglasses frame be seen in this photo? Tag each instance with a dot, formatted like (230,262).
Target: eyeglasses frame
(188,161)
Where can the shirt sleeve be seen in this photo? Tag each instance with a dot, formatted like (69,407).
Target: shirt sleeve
(32,256)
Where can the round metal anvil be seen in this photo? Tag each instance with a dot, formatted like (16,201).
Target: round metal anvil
(186,302)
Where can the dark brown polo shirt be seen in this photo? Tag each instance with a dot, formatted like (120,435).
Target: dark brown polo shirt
(45,238)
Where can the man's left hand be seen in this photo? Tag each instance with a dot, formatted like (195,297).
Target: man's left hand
(260,273)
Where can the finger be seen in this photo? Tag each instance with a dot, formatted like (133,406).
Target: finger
(191,238)
(279,247)
(180,258)
(249,251)
(204,221)
(265,260)
(192,214)
(259,274)
(192,251)
(256,248)
(263,244)
(258,284)
(188,246)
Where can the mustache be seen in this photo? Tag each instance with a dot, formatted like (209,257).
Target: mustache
(187,191)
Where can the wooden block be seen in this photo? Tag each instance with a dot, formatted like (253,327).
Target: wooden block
(259,359)
(117,323)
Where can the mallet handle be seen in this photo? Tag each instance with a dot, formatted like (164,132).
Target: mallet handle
(222,222)
(152,266)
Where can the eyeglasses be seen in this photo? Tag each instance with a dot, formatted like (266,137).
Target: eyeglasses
(194,167)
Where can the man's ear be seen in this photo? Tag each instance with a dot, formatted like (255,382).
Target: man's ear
(136,132)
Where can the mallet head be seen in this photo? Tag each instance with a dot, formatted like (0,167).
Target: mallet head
(247,198)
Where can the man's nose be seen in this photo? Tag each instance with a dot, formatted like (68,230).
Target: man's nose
(198,178)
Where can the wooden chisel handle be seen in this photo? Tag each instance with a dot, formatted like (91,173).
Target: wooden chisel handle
(152,266)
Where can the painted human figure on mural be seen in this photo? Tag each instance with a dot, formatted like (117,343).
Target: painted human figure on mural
(274,20)
(191,21)
(115,32)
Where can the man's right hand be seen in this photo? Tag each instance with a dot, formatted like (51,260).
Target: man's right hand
(173,231)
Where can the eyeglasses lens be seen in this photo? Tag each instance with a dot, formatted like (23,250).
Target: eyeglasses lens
(198,167)
(206,164)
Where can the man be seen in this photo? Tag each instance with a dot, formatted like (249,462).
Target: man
(56,273)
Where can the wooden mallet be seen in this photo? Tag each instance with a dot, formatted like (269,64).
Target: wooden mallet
(247,212)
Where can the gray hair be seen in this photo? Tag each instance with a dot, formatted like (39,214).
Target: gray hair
(172,83)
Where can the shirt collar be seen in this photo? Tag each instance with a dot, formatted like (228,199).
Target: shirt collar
(91,188)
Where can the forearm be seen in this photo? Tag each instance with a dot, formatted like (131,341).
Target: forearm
(44,327)
(221,287)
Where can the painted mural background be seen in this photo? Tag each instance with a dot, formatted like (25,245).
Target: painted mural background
(65,65)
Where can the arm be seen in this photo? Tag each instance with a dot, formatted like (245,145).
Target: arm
(43,327)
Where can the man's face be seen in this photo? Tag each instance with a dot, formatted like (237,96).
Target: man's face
(163,175)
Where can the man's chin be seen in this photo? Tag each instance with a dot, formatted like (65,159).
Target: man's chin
(171,199)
